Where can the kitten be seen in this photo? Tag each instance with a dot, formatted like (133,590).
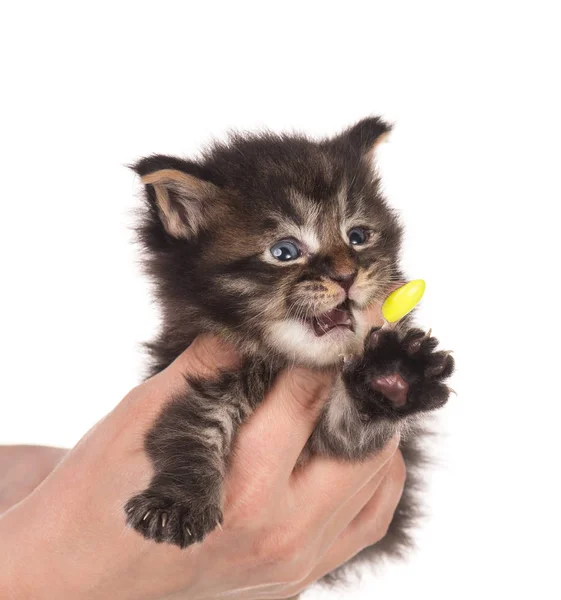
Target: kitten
(277,243)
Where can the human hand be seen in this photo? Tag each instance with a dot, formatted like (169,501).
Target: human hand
(282,528)
(22,469)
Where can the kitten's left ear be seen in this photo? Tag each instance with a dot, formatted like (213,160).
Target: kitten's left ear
(364,137)
(181,190)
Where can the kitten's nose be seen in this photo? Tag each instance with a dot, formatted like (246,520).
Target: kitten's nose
(345,280)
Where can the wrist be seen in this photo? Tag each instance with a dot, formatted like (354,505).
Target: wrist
(29,557)
(17,555)
(43,559)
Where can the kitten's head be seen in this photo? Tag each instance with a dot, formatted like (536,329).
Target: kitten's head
(276,241)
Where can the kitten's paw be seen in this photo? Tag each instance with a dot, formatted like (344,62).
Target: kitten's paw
(400,375)
(162,518)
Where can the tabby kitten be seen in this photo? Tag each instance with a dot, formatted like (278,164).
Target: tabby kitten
(277,243)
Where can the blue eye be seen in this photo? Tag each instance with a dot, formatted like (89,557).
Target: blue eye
(357,236)
(285,251)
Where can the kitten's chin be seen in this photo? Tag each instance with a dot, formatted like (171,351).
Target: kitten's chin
(299,343)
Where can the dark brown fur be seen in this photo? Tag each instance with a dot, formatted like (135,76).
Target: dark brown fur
(207,230)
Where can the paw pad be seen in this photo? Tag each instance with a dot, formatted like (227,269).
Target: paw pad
(393,387)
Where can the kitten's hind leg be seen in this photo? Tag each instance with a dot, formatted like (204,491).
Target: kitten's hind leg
(189,446)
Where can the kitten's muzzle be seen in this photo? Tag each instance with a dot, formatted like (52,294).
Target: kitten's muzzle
(339,317)
(345,280)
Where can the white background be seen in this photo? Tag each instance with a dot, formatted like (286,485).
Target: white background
(473,166)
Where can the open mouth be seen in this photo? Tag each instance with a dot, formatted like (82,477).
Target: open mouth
(337,318)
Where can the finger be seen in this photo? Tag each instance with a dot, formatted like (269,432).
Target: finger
(368,527)
(325,484)
(206,357)
(276,433)
(346,513)
(376,515)
(373,314)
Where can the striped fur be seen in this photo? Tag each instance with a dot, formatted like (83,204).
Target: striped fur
(207,230)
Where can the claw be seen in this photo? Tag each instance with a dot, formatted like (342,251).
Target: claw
(146,515)
(219,525)
(452,391)
(417,342)
(164,519)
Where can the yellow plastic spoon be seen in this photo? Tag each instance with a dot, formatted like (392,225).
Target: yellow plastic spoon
(403,300)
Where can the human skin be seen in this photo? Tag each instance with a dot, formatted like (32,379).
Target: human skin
(283,528)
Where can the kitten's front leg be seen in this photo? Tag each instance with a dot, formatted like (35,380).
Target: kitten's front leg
(189,446)
(399,375)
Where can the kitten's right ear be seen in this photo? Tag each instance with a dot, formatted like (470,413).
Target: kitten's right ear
(365,136)
(181,191)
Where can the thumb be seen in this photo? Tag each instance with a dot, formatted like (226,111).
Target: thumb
(299,395)
(280,427)
(206,357)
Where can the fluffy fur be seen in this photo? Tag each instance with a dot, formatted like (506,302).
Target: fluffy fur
(211,230)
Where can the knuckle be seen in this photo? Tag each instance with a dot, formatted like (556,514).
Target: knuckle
(305,388)
(245,501)
(285,551)
(202,361)
(379,532)
(206,354)
(269,548)
(290,550)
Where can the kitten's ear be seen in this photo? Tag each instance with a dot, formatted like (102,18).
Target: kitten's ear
(181,191)
(364,137)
